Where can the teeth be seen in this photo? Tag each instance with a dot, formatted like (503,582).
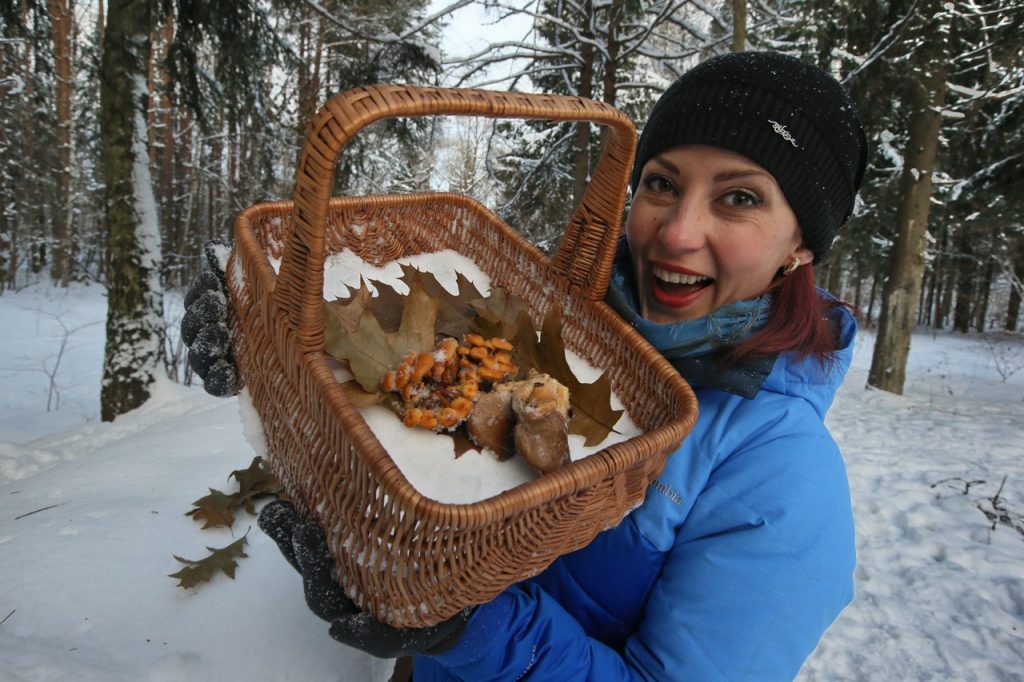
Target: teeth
(677,277)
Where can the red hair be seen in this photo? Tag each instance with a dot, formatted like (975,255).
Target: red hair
(798,322)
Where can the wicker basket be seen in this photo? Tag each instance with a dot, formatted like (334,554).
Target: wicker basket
(407,559)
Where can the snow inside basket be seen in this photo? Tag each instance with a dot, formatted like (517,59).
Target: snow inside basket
(405,558)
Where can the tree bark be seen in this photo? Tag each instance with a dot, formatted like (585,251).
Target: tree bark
(61,17)
(1013,310)
(900,297)
(8,173)
(938,281)
(870,316)
(134,294)
(581,142)
(965,272)
(1016,285)
(739,25)
(983,295)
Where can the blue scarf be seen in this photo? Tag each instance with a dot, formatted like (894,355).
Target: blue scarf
(693,346)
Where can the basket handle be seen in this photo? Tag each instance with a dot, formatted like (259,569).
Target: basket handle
(585,253)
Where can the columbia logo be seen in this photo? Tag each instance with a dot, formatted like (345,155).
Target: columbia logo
(781,131)
(667,491)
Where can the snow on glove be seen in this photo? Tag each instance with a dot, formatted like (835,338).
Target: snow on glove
(305,548)
(205,327)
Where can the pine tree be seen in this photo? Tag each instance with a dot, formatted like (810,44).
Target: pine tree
(622,52)
(886,52)
(134,291)
(61,13)
(906,269)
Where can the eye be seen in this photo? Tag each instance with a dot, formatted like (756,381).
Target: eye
(657,183)
(742,198)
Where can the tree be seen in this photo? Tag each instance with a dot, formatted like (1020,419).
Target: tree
(739,25)
(378,41)
(623,52)
(61,20)
(906,266)
(934,71)
(970,52)
(29,158)
(134,292)
(983,161)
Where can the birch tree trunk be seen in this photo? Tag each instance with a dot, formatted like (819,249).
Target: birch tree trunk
(135,298)
(906,266)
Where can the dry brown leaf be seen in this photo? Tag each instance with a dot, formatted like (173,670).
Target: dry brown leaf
(223,560)
(255,482)
(215,509)
(346,311)
(592,413)
(361,398)
(387,306)
(367,350)
(498,314)
(455,313)
(419,319)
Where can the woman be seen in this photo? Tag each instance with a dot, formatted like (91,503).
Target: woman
(743,551)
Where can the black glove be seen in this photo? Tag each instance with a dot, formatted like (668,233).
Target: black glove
(305,548)
(205,327)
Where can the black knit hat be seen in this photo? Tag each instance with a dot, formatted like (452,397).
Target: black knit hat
(787,116)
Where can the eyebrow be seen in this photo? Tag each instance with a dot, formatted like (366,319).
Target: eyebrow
(724,176)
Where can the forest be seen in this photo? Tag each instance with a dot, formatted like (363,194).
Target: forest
(131,132)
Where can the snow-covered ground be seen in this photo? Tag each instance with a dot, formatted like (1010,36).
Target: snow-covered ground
(91,515)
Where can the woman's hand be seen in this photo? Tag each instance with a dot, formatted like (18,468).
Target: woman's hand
(302,543)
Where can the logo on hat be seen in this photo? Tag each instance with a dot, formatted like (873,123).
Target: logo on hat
(781,130)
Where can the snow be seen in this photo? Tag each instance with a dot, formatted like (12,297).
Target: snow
(91,514)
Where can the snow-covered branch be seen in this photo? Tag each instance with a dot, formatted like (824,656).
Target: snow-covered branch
(386,38)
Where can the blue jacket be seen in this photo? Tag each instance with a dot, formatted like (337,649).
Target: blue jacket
(740,557)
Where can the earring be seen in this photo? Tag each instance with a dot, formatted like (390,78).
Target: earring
(791,268)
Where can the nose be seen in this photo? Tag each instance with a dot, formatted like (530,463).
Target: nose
(685,227)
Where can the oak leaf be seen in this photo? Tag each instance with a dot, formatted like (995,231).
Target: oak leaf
(255,482)
(455,312)
(361,398)
(499,313)
(215,509)
(419,317)
(387,305)
(345,312)
(368,349)
(222,560)
(219,508)
(592,413)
